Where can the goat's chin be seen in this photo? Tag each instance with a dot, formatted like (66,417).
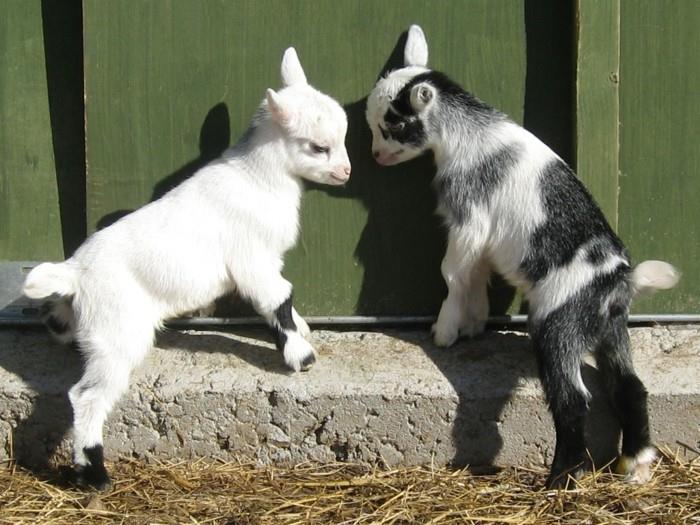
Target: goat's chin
(327,179)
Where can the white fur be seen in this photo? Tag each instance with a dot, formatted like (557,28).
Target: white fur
(226,228)
(654,275)
(416,51)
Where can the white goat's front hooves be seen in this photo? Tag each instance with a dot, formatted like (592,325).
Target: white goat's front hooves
(298,352)
(444,336)
(472,326)
(637,469)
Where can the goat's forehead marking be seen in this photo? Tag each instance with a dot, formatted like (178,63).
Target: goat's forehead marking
(387,88)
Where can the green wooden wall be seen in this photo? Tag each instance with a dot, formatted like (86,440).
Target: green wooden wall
(168,82)
(659,130)
(611,85)
(30,226)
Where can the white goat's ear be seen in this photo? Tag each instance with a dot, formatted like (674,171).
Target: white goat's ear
(276,106)
(422,95)
(292,72)
(416,51)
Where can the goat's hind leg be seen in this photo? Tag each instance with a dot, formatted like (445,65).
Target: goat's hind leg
(559,351)
(105,379)
(59,318)
(629,399)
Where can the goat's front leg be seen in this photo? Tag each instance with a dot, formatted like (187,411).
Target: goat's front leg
(465,308)
(271,295)
(302,325)
(476,310)
(298,353)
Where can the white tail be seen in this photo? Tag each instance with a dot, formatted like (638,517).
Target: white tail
(650,276)
(49,279)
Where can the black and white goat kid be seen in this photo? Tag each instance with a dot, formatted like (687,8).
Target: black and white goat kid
(512,205)
(224,229)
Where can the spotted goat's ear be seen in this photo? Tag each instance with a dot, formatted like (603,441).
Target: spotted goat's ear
(422,96)
(416,51)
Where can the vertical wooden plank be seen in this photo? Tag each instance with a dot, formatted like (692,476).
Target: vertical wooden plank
(659,130)
(168,82)
(29,220)
(597,101)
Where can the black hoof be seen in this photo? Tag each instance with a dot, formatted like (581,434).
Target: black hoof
(94,474)
(565,479)
(308,361)
(88,477)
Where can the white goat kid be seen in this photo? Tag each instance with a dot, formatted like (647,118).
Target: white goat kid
(226,228)
(511,204)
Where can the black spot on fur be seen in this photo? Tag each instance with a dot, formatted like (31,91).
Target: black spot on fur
(458,191)
(404,130)
(449,93)
(283,315)
(283,322)
(57,326)
(572,219)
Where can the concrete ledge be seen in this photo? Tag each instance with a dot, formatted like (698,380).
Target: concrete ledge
(388,398)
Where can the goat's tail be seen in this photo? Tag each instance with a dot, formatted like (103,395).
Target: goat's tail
(49,279)
(649,276)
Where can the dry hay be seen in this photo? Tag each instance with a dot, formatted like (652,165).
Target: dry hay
(242,494)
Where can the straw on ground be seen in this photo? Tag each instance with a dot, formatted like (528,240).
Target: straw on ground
(205,492)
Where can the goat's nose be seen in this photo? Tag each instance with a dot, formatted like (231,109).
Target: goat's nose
(347,170)
(376,153)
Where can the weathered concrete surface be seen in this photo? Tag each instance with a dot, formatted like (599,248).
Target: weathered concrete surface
(389,398)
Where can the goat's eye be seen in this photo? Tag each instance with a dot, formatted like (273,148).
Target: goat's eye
(396,127)
(384,132)
(317,148)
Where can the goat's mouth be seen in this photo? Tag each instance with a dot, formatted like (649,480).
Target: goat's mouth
(337,179)
(388,159)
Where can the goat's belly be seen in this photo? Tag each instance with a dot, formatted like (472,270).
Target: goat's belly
(191,294)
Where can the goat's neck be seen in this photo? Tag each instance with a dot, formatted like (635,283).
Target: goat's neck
(463,137)
(263,156)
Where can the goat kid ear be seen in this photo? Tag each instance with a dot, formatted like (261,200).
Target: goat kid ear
(416,51)
(277,109)
(422,95)
(292,72)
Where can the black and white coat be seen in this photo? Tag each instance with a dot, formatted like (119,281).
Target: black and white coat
(512,205)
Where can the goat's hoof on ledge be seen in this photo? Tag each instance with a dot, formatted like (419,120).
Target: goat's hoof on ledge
(308,362)
(442,337)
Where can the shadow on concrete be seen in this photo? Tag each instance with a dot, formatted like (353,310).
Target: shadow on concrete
(49,370)
(485,373)
(261,356)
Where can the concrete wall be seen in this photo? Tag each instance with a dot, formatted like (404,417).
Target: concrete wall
(380,398)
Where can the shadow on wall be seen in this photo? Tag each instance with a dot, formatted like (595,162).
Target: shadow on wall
(214,138)
(62,26)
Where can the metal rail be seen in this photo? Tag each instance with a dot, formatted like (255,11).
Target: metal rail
(367,321)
